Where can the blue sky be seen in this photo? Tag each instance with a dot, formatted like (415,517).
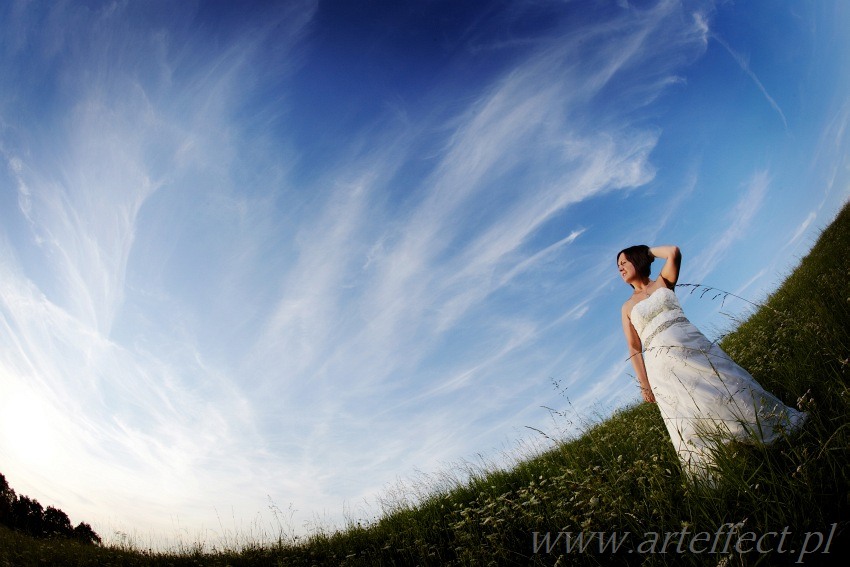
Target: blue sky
(311,255)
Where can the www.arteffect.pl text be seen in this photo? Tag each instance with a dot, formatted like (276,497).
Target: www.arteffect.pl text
(728,538)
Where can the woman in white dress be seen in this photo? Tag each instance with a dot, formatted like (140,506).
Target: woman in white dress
(703,396)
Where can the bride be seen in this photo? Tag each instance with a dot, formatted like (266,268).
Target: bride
(703,396)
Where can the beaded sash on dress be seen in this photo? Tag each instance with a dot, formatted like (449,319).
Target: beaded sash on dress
(656,313)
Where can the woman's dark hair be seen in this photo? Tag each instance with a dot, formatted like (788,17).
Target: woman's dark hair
(640,258)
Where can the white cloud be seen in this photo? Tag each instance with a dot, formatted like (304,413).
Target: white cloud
(745,66)
(738,221)
(802,228)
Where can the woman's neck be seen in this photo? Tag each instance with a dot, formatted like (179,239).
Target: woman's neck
(641,285)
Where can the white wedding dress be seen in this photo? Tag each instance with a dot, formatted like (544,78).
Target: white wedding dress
(704,397)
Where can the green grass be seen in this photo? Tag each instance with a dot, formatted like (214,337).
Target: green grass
(620,475)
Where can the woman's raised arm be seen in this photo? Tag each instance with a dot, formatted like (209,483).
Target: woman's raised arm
(672,262)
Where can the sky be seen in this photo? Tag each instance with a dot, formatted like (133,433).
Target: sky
(271,264)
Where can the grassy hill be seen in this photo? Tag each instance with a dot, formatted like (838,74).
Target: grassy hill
(615,495)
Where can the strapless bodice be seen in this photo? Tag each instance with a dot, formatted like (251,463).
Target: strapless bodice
(661,308)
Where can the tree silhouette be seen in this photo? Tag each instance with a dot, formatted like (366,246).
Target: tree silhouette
(57,523)
(28,516)
(7,498)
(85,534)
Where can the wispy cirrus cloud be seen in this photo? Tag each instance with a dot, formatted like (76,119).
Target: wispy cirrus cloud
(802,228)
(127,417)
(744,64)
(739,220)
(416,278)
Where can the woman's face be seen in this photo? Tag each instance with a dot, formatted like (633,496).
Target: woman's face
(627,269)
